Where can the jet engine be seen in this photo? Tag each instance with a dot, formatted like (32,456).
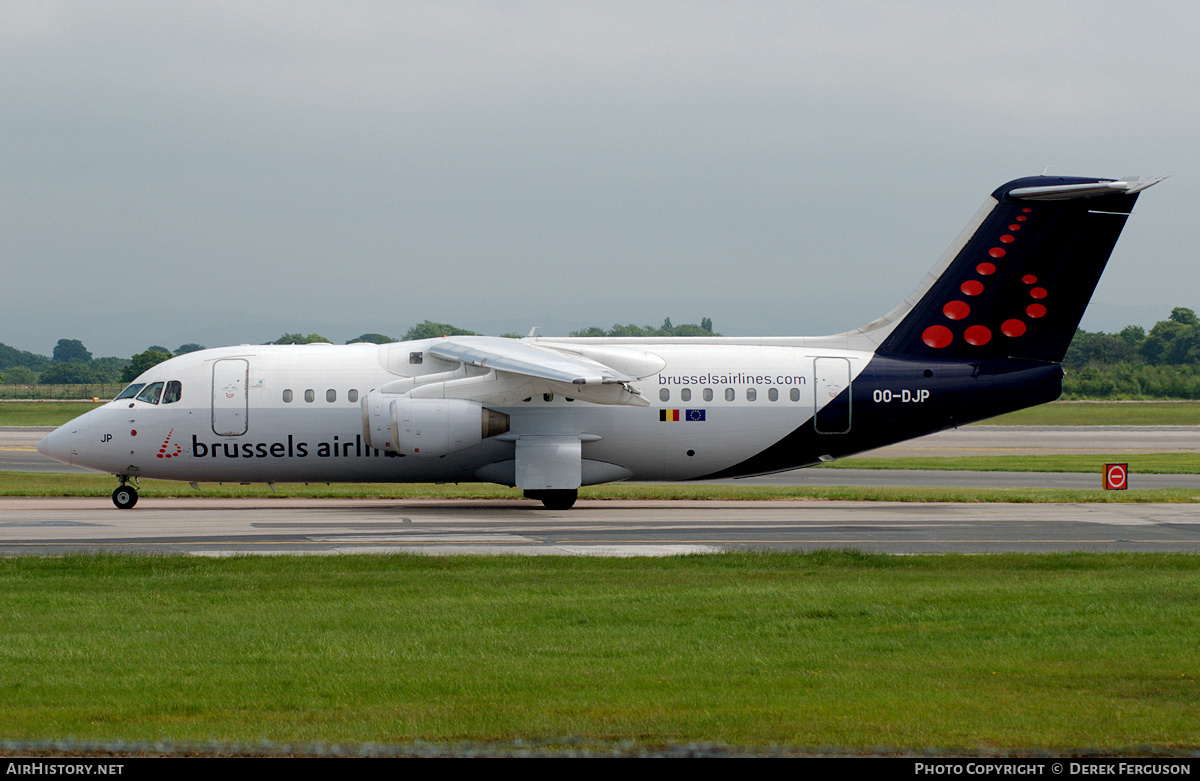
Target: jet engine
(427,428)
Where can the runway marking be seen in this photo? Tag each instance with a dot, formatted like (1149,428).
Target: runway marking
(426,538)
(1049,450)
(28,524)
(619,551)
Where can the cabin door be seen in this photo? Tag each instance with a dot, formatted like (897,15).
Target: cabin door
(832,388)
(229,396)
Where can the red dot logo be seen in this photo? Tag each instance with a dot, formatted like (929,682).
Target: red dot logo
(937,336)
(977,335)
(162,451)
(956,310)
(1012,328)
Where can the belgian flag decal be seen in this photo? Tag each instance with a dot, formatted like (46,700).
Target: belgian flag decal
(676,415)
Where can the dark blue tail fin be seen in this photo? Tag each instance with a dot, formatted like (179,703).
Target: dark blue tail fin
(1018,286)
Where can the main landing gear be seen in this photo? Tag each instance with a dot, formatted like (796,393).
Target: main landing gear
(125,496)
(558,499)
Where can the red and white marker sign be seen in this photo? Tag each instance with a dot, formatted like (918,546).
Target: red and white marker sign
(1116,477)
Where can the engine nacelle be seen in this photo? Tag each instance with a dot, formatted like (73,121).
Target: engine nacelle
(427,428)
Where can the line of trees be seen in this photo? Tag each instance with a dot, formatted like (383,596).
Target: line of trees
(72,364)
(705,328)
(1133,364)
(432,330)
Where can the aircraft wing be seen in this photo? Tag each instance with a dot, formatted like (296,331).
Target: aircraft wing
(571,375)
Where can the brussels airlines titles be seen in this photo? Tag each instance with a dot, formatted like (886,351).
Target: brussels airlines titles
(289,449)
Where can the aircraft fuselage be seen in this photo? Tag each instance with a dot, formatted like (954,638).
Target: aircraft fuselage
(715,410)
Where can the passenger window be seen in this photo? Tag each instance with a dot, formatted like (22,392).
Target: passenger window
(287,396)
(751,394)
(664,394)
(773,394)
(795,394)
(331,395)
(310,396)
(729,394)
(685,394)
(151,392)
(173,392)
(708,395)
(352,396)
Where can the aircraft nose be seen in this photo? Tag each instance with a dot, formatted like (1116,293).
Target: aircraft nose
(56,445)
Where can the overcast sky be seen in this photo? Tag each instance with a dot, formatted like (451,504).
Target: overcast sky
(227,172)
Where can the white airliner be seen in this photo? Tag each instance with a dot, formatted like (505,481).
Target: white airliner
(983,334)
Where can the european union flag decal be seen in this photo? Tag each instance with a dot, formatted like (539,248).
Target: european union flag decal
(676,415)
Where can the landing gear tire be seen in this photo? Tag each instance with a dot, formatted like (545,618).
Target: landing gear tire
(559,499)
(124,497)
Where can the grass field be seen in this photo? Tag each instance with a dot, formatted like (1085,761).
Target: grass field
(812,650)
(41,413)
(1104,413)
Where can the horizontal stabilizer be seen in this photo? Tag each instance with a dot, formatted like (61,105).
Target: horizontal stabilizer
(1063,192)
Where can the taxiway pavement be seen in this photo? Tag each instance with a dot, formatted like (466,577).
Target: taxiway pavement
(224,527)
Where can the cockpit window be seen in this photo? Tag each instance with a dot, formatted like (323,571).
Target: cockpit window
(150,393)
(173,393)
(131,391)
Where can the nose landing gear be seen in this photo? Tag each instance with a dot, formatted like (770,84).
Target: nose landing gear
(125,496)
